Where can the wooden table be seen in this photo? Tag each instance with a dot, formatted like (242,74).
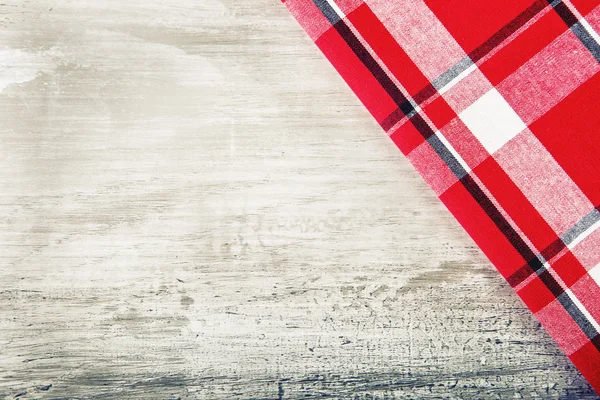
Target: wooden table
(194,205)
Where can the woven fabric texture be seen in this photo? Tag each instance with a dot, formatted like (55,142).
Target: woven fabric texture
(496,104)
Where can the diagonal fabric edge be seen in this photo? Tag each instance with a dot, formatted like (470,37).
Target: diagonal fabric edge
(539,229)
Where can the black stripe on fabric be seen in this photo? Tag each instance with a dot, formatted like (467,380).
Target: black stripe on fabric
(425,93)
(553,249)
(422,126)
(596,341)
(392,119)
(445,78)
(365,57)
(528,269)
(510,28)
(581,320)
(467,181)
(327,11)
(501,223)
(558,245)
(520,275)
(447,156)
(581,226)
(555,288)
(564,13)
(582,34)
(397,114)
(588,41)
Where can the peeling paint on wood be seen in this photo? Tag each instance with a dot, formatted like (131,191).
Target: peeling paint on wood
(194,206)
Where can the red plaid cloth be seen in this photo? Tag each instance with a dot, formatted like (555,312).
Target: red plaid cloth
(496,105)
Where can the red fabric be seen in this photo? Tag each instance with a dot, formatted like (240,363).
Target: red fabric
(496,105)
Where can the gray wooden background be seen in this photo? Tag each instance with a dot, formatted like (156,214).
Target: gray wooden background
(194,205)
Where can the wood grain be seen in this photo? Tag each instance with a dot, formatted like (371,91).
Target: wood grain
(194,205)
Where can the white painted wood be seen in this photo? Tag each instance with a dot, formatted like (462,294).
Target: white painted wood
(194,205)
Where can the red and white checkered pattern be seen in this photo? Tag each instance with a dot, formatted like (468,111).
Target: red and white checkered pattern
(496,105)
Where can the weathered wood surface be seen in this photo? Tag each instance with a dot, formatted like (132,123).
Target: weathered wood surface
(193,205)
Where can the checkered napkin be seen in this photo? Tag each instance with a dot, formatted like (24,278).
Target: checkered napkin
(497,105)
